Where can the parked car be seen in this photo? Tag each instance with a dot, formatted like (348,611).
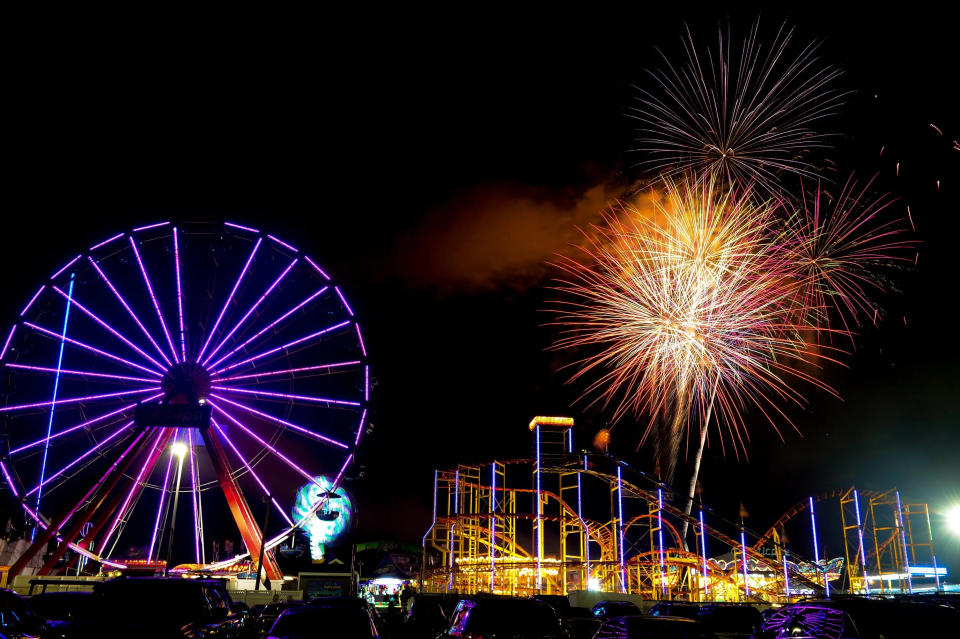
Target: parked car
(580,623)
(309,622)
(17,618)
(675,609)
(863,618)
(650,627)
(64,613)
(730,621)
(426,618)
(494,617)
(271,612)
(161,607)
(559,603)
(607,609)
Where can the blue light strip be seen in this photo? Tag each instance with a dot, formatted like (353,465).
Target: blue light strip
(586,528)
(903,538)
(703,550)
(863,554)
(623,576)
(816,550)
(493,509)
(663,557)
(786,577)
(456,511)
(539,539)
(53,403)
(743,553)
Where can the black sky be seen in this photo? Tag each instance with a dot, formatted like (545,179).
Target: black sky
(355,133)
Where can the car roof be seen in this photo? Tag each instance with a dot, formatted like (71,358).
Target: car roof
(653,620)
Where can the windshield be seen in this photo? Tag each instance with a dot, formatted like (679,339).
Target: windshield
(62,606)
(518,616)
(168,602)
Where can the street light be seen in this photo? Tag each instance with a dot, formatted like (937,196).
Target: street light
(179,450)
(953,519)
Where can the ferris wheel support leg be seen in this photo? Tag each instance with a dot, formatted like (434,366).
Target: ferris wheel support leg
(103,512)
(242,515)
(113,475)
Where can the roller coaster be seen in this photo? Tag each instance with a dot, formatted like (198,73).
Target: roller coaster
(563,521)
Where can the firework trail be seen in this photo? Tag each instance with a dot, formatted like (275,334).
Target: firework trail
(839,249)
(690,309)
(746,115)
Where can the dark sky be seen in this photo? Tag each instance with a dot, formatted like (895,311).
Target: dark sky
(406,155)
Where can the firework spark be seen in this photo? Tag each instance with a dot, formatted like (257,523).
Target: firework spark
(687,309)
(745,116)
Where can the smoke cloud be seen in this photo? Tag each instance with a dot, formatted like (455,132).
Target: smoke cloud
(498,236)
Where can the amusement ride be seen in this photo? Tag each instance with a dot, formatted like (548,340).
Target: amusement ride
(198,368)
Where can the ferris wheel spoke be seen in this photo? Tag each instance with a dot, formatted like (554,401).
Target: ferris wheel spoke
(89,422)
(122,513)
(250,312)
(157,522)
(284,347)
(129,310)
(226,305)
(271,325)
(107,327)
(288,371)
(78,373)
(256,478)
(289,462)
(278,420)
(10,482)
(287,396)
(76,461)
(92,349)
(176,265)
(6,344)
(153,298)
(74,400)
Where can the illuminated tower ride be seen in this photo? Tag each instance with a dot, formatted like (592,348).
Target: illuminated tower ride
(199,368)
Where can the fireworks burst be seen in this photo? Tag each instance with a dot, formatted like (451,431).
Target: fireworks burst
(686,309)
(838,249)
(745,116)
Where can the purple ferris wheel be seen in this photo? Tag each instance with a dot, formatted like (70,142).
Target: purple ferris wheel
(198,369)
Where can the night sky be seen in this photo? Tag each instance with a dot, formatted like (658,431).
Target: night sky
(434,169)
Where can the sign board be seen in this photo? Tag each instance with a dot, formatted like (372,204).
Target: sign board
(172,416)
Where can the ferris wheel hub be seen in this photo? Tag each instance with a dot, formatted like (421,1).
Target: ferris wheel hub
(185,382)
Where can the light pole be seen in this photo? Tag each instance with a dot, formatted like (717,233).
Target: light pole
(179,449)
(263,541)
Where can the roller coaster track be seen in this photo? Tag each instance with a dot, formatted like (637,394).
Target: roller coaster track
(753,553)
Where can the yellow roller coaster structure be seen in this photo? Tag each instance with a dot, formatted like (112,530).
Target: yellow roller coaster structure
(564,521)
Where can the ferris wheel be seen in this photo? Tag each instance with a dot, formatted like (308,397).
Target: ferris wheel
(210,362)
